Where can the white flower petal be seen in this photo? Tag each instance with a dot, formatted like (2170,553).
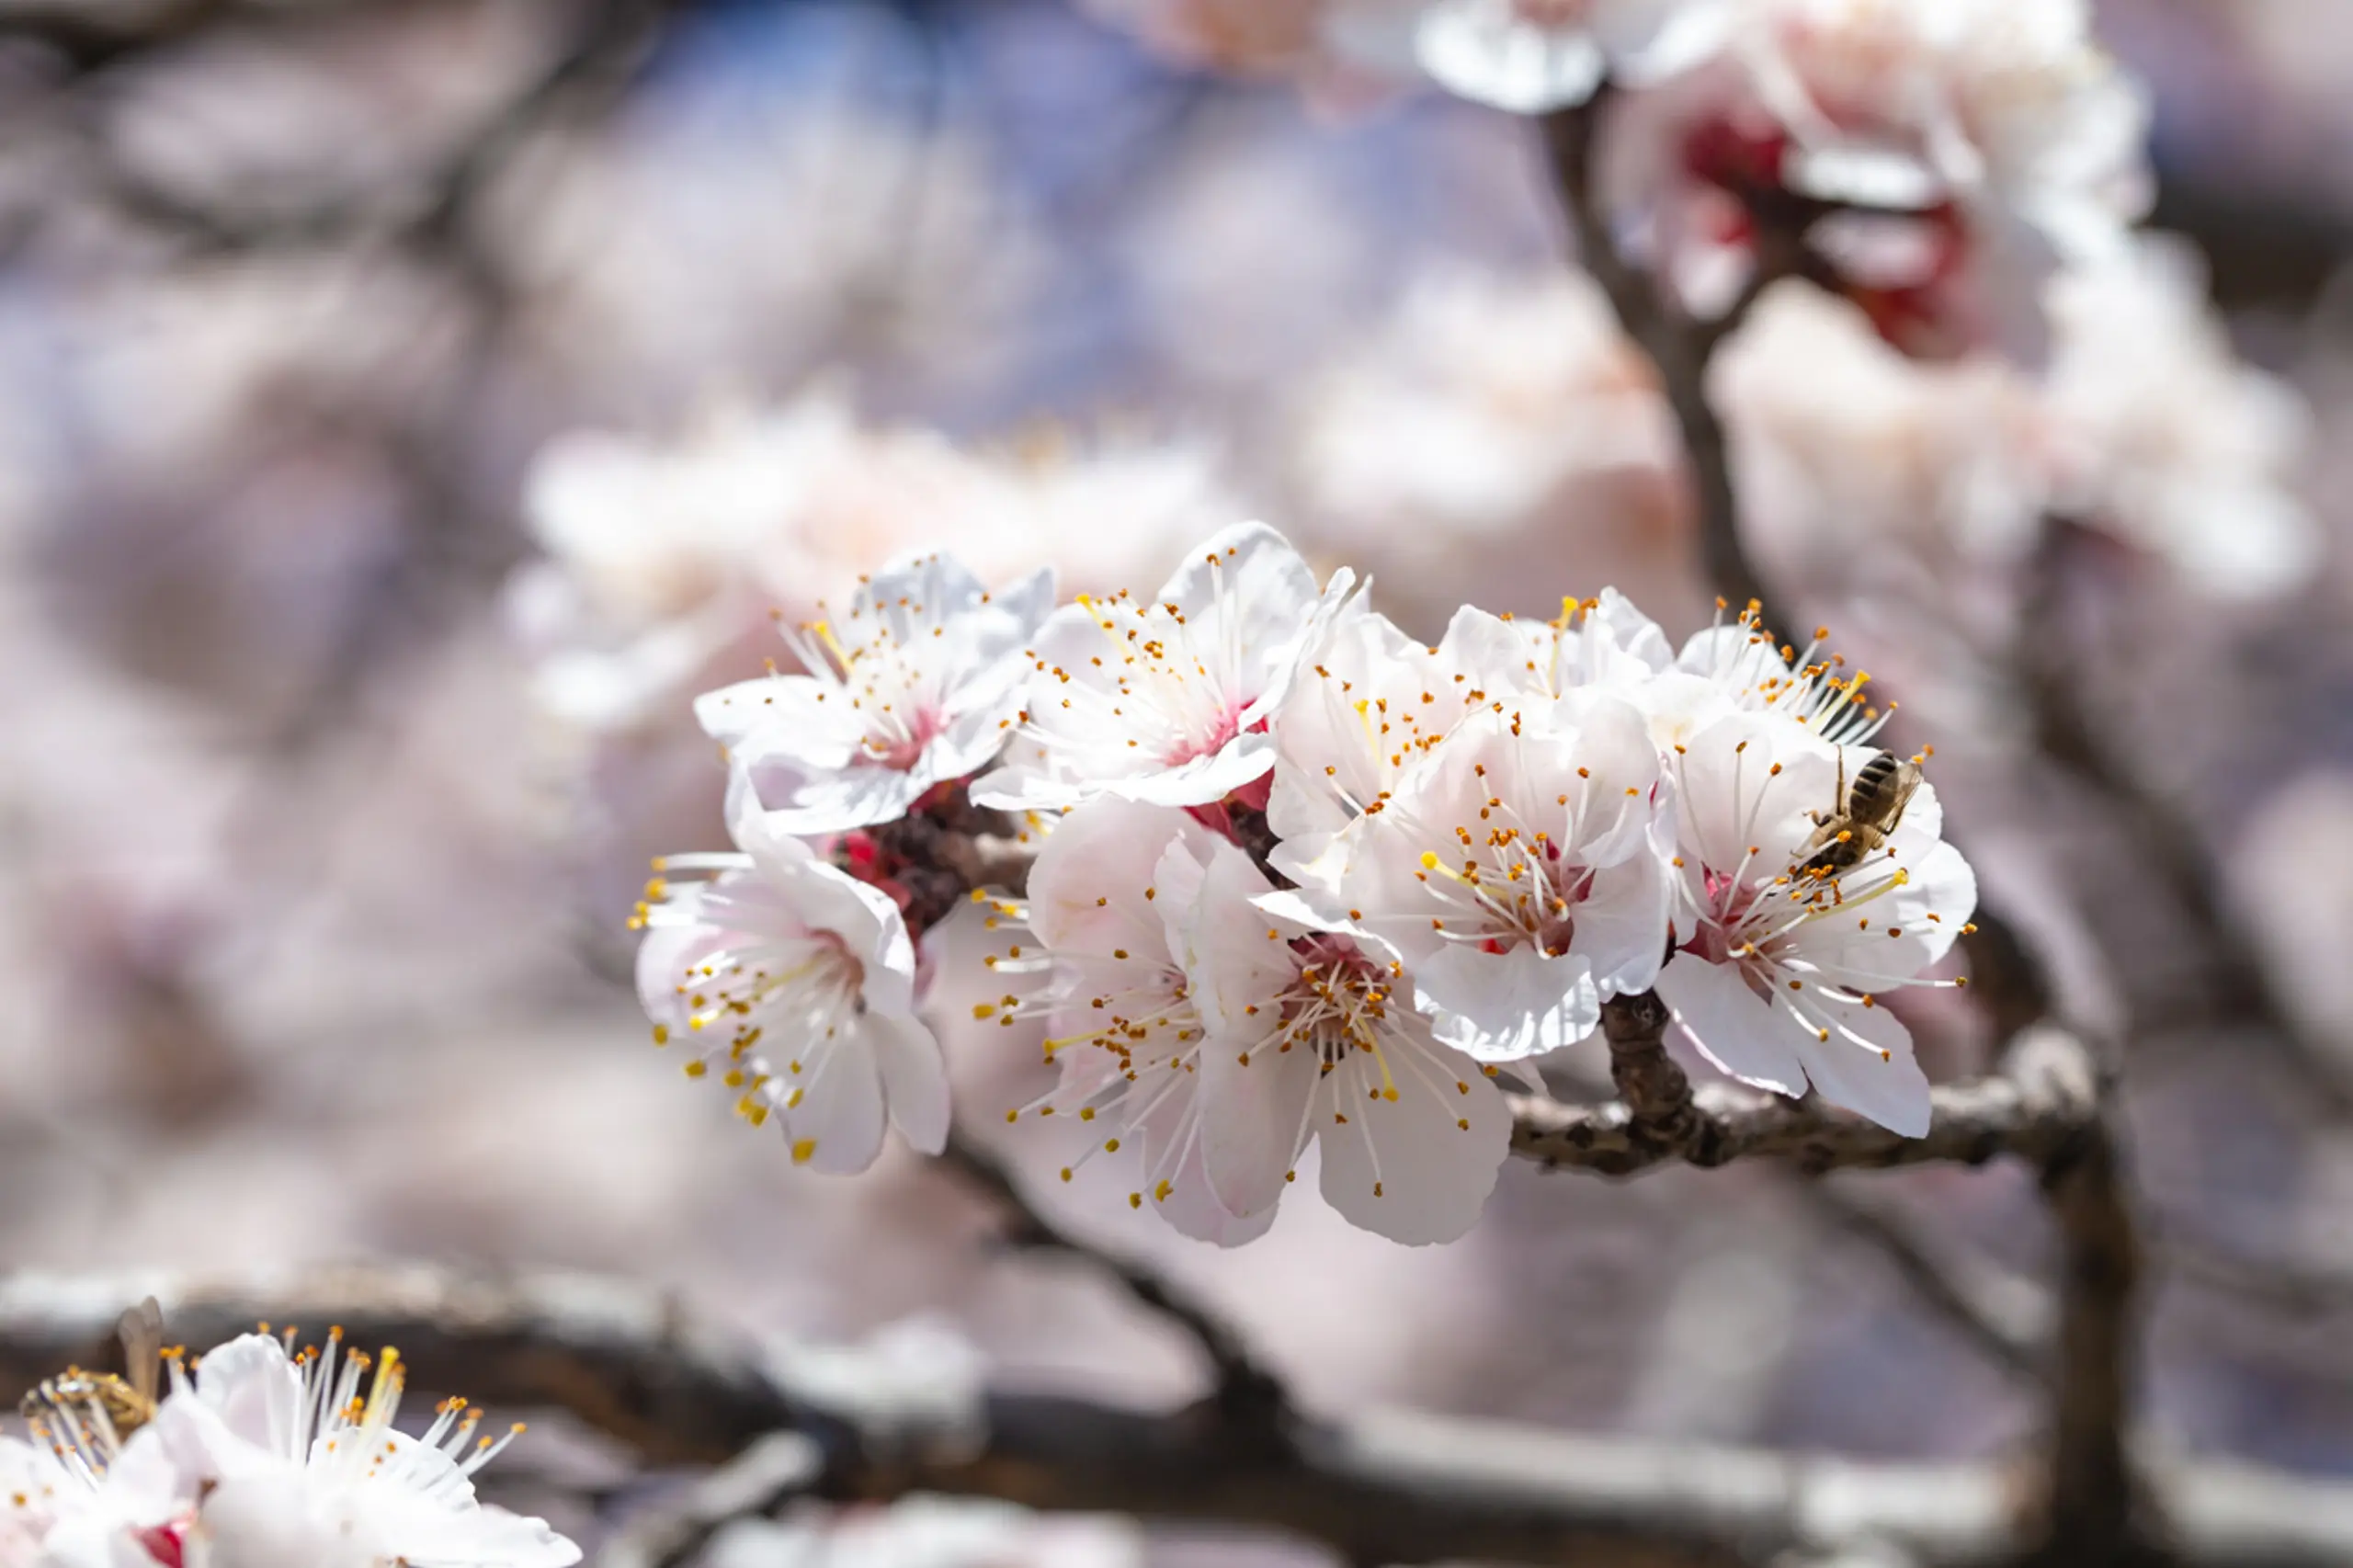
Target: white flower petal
(914,1079)
(822,733)
(254,1389)
(1621,923)
(1255,1099)
(800,797)
(1237,961)
(1409,1168)
(1868,942)
(1086,888)
(1850,1069)
(1163,702)
(1251,577)
(1733,1028)
(1200,781)
(1745,783)
(835,1126)
(1506,1006)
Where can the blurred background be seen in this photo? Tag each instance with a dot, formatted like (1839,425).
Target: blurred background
(406,404)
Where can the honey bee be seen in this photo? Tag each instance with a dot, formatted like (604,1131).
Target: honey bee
(1865,815)
(127,1403)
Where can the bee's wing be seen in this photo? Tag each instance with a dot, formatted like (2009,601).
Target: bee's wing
(1908,780)
(141,1332)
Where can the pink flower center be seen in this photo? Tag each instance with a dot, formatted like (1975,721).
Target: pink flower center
(165,1544)
(1222,729)
(900,748)
(1728,900)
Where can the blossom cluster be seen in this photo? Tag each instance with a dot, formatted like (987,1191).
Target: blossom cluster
(258,1457)
(2144,426)
(1939,158)
(1298,878)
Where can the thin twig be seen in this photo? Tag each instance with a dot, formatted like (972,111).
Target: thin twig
(2005,1318)
(1246,1393)
(2284,1284)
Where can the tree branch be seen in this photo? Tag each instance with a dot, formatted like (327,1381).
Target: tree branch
(2096,1514)
(2045,1095)
(1391,1488)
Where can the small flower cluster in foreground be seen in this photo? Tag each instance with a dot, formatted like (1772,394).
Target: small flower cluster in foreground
(1303,880)
(261,1457)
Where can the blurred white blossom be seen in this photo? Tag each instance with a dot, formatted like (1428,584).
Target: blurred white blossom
(2301,922)
(662,555)
(1859,467)
(1855,464)
(1944,159)
(676,247)
(1493,437)
(2159,434)
(656,556)
(1475,401)
(1525,56)
(931,1532)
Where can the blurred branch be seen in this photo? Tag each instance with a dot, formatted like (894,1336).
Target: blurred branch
(2285,1284)
(2167,841)
(1678,346)
(2006,1318)
(1246,1395)
(599,53)
(2045,1095)
(2266,245)
(89,38)
(755,1482)
(1388,1487)
(2096,1508)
